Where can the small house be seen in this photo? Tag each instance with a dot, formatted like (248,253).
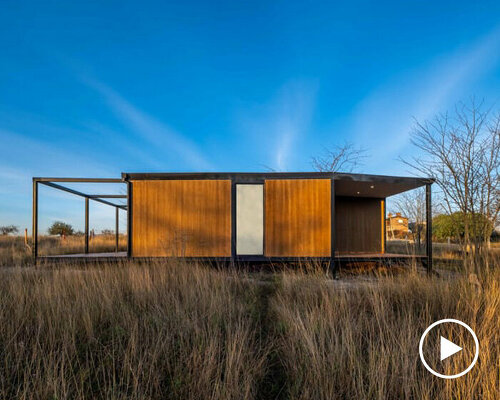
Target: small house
(271,216)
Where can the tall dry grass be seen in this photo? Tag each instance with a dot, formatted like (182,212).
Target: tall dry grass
(441,251)
(129,331)
(361,341)
(13,250)
(186,331)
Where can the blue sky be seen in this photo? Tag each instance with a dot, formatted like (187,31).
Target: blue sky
(97,88)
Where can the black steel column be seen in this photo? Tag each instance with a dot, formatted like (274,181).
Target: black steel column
(129,219)
(233,220)
(385,226)
(428,222)
(86,225)
(34,229)
(117,226)
(333,269)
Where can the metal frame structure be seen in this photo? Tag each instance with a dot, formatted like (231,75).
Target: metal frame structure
(403,184)
(94,197)
(408,183)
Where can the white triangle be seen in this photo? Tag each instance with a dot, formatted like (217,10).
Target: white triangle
(448,348)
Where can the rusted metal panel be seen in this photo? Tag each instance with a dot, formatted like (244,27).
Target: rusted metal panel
(181,218)
(297,218)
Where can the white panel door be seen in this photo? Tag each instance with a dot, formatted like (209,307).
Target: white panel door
(250,219)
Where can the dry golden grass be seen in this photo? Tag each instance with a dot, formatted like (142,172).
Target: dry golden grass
(128,331)
(187,331)
(441,251)
(13,251)
(361,341)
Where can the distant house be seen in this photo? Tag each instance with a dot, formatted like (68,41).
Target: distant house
(396,226)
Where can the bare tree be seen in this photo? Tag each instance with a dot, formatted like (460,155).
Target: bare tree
(462,153)
(5,230)
(412,205)
(345,158)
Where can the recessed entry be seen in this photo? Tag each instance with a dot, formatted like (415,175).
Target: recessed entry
(250,219)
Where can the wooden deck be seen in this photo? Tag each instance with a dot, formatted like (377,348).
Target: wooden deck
(377,256)
(385,258)
(89,255)
(342,258)
(94,257)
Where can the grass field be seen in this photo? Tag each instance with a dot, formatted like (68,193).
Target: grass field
(13,251)
(188,331)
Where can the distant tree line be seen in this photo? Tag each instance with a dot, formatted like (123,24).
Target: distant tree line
(8,229)
(61,228)
(452,226)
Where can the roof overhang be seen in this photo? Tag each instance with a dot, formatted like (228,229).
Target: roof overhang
(346,184)
(380,186)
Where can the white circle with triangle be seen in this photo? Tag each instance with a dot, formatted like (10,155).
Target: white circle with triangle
(448,348)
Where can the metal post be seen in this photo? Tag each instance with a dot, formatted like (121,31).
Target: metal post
(385,226)
(129,219)
(428,232)
(86,225)
(34,231)
(333,267)
(233,221)
(117,234)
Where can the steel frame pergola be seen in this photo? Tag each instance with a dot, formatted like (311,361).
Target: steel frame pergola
(50,182)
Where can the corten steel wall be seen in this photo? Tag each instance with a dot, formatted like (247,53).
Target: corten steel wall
(297,218)
(359,225)
(182,218)
(192,218)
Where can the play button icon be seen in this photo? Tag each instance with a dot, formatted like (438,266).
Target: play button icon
(449,348)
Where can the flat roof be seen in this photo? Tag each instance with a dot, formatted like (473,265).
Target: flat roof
(346,184)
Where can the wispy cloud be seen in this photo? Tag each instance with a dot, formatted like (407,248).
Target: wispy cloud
(150,129)
(280,125)
(18,150)
(388,112)
(132,152)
